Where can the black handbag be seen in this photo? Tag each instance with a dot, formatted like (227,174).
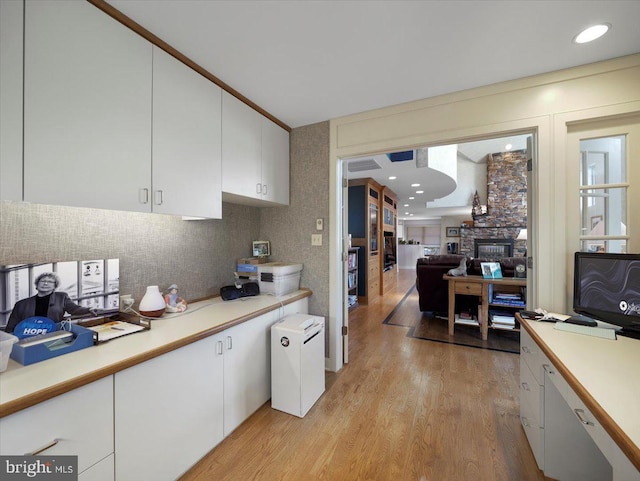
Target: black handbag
(229,293)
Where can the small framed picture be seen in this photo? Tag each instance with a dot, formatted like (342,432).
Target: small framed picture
(453,231)
(595,220)
(491,270)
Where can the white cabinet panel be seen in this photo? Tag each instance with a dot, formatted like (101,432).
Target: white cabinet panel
(570,454)
(187,172)
(169,412)
(102,471)
(87,108)
(255,156)
(275,163)
(11,48)
(241,148)
(299,307)
(81,421)
(247,369)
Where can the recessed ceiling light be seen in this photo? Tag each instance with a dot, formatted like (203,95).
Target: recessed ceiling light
(393,177)
(415,185)
(592,33)
(419,191)
(406,213)
(411,198)
(406,205)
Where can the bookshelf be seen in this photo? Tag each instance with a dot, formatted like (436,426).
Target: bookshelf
(352,277)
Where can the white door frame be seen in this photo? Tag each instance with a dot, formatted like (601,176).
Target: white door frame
(337,267)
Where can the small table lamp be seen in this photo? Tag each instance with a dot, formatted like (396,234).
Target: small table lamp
(522,235)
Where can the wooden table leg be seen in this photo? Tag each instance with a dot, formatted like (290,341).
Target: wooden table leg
(484,311)
(452,305)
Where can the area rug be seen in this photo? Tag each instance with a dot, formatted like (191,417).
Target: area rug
(433,328)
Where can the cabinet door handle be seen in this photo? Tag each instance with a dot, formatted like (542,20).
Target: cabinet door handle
(229,343)
(548,369)
(143,196)
(580,413)
(526,350)
(264,189)
(258,188)
(50,444)
(220,348)
(158,197)
(525,386)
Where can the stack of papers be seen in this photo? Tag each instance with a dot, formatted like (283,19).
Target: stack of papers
(113,329)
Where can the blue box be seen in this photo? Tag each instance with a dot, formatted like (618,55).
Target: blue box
(248,268)
(26,355)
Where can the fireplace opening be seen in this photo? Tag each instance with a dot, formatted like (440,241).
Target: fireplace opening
(493,249)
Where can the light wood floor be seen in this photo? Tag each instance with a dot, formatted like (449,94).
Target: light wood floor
(402,409)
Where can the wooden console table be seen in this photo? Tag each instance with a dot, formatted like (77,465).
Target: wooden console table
(476,286)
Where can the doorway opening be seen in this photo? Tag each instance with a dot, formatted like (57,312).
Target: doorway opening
(445,197)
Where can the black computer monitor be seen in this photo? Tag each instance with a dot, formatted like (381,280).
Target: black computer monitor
(606,287)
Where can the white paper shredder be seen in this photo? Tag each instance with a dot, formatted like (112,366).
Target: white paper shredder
(297,363)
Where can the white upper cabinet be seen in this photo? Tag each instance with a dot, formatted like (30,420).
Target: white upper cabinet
(275,162)
(255,156)
(241,148)
(87,108)
(11,48)
(187,173)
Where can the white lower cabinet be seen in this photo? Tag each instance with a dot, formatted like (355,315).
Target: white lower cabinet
(247,369)
(101,471)
(532,396)
(168,412)
(79,422)
(570,452)
(172,410)
(568,442)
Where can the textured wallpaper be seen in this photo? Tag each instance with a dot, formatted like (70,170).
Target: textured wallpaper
(290,228)
(153,249)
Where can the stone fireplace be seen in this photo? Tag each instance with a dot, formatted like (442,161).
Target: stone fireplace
(506,205)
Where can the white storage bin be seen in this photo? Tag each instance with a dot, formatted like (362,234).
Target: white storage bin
(6,345)
(279,278)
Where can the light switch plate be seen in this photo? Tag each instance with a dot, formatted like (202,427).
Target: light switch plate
(316,239)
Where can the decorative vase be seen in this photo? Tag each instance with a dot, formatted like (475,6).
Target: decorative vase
(152,304)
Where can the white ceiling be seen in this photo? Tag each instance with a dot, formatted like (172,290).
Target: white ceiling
(310,61)
(433,183)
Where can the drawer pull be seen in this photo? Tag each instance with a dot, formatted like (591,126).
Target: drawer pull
(580,414)
(526,350)
(525,386)
(43,448)
(548,369)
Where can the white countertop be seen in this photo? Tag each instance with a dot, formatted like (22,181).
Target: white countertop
(605,371)
(23,386)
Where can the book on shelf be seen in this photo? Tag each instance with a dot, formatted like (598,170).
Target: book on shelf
(467,322)
(502,320)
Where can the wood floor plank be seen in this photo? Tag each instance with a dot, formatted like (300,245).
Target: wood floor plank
(402,409)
